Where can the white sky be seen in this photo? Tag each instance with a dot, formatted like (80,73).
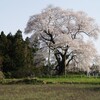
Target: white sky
(14,14)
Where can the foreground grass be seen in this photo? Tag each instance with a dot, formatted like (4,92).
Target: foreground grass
(50,92)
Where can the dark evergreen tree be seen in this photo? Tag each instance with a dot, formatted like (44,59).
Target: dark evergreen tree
(17,55)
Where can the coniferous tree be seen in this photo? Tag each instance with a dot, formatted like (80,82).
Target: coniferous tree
(16,56)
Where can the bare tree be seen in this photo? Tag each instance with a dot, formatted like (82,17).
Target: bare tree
(65,33)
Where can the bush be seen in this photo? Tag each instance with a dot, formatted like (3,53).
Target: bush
(1,75)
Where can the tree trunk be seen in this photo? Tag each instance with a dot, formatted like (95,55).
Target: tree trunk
(61,59)
(61,67)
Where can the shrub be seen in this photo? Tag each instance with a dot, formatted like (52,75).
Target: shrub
(1,75)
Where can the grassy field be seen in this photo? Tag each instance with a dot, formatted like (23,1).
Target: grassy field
(50,92)
(54,88)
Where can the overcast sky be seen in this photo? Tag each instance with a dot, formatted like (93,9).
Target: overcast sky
(14,14)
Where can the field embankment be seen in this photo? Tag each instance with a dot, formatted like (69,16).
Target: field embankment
(54,80)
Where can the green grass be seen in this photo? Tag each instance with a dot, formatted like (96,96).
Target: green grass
(54,80)
(73,79)
(50,92)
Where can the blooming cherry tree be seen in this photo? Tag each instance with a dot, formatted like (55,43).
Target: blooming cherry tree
(66,33)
